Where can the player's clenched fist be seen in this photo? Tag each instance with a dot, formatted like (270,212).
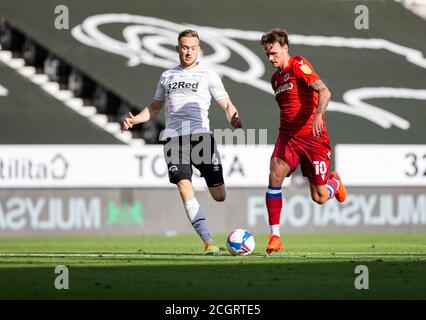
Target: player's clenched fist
(128,122)
(236,121)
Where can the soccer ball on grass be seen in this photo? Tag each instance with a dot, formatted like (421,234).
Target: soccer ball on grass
(240,242)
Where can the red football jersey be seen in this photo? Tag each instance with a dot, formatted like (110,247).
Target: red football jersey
(298,102)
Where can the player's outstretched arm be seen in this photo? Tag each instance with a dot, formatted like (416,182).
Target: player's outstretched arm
(324,96)
(148,113)
(231,112)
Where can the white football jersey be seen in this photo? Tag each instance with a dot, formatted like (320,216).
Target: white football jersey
(187,95)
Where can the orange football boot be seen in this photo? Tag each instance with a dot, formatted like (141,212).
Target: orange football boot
(340,193)
(274,245)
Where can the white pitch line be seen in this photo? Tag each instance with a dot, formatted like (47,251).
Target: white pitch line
(189,256)
(84,255)
(99,255)
(356,253)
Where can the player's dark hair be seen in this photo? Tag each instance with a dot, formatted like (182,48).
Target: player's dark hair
(275,35)
(188,33)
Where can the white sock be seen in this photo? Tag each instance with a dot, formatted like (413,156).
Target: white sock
(275,229)
(197,218)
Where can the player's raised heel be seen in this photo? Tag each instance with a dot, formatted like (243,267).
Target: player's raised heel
(275,244)
(340,193)
(211,249)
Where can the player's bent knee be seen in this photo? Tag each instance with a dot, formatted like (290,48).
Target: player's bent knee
(319,199)
(220,198)
(218,193)
(322,200)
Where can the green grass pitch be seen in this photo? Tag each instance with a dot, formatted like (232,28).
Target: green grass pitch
(312,267)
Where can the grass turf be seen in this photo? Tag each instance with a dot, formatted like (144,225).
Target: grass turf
(312,267)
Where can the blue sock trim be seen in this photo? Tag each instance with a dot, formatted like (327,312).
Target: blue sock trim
(273,195)
(331,190)
(274,188)
(198,220)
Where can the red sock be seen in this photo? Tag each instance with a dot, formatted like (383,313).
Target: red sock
(274,203)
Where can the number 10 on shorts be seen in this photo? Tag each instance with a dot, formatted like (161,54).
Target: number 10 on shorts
(320,167)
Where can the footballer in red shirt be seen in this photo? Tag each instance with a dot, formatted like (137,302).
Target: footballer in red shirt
(303,139)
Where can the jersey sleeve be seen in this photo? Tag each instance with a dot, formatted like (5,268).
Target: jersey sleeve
(160,93)
(216,88)
(304,70)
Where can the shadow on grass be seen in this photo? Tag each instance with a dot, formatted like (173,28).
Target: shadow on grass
(165,279)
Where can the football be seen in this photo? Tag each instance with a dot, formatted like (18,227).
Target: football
(240,242)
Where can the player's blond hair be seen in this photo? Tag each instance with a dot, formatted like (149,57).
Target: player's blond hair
(188,33)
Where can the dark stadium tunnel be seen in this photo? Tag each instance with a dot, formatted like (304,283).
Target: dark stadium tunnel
(105,101)
(80,85)
(33,54)
(57,70)
(10,38)
(77,81)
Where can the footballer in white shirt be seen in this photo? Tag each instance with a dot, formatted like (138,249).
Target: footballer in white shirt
(185,91)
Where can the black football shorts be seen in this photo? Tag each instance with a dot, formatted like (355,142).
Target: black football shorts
(198,150)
